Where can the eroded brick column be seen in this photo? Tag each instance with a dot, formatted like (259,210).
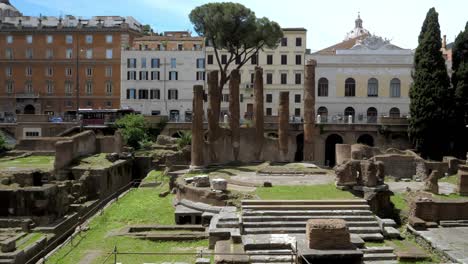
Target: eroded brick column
(258,112)
(309,110)
(197,127)
(234,112)
(283,113)
(213,111)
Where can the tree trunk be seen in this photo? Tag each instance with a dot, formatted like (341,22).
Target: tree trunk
(258,113)
(234,112)
(309,110)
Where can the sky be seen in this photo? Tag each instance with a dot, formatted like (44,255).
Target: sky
(327,21)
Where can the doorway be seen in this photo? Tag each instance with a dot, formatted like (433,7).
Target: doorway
(330,152)
(299,156)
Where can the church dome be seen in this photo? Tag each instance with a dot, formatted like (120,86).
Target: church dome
(358,30)
(8,10)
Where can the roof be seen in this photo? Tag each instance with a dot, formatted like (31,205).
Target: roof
(166,38)
(294,29)
(346,44)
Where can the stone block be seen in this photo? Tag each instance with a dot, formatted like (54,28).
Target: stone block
(417,223)
(369,173)
(8,245)
(391,232)
(328,234)
(463,180)
(202,261)
(202,181)
(219,185)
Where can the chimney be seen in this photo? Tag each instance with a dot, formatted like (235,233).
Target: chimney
(444,42)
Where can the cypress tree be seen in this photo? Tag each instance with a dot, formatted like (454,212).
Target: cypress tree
(460,84)
(431,105)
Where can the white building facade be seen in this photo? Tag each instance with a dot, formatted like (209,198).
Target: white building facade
(364,77)
(160,82)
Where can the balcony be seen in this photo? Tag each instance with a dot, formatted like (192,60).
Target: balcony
(31,95)
(360,118)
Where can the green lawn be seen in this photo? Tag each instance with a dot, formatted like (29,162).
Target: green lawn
(451,179)
(311,192)
(398,199)
(140,206)
(154,176)
(31,162)
(97,161)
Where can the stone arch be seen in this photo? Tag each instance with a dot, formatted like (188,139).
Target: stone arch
(299,156)
(330,153)
(394,112)
(323,112)
(29,110)
(366,139)
(372,115)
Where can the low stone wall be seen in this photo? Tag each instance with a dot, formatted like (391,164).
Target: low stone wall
(398,166)
(74,147)
(201,195)
(359,152)
(37,144)
(435,211)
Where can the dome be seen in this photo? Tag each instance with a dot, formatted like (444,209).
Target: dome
(358,30)
(7,10)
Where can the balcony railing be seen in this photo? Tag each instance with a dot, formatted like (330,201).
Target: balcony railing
(27,95)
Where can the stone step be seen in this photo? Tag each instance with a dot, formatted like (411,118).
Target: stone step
(304,218)
(379,257)
(377,237)
(305,212)
(307,207)
(297,224)
(382,262)
(301,230)
(304,202)
(268,251)
(272,259)
(372,250)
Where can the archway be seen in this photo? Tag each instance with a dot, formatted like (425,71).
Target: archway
(372,115)
(366,139)
(299,148)
(330,155)
(29,110)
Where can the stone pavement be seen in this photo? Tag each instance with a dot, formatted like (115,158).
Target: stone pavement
(400,187)
(452,241)
(253,178)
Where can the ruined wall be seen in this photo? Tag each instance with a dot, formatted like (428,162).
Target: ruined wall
(38,144)
(105,144)
(74,147)
(398,166)
(434,211)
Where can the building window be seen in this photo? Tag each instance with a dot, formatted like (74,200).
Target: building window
(143,75)
(155,63)
(89,72)
(109,88)
(297,98)
(108,71)
(173,94)
(32,134)
(29,53)
(68,104)
(269,59)
(298,42)
(200,63)
(284,78)
(297,112)
(269,78)
(49,87)
(252,78)
(89,53)
(29,71)
(173,63)
(9,87)
(89,88)
(49,71)
(395,88)
(131,93)
(372,115)
(9,53)
(225,98)
(143,62)
(155,75)
(200,76)
(241,98)
(68,72)
(109,39)
(210,59)
(350,87)
(372,87)
(173,76)
(69,53)
(89,104)
(223,59)
(269,98)
(323,87)
(29,39)
(238,60)
(395,112)
(109,53)
(155,94)
(323,113)
(155,113)
(69,39)
(298,78)
(108,104)
(180,47)
(284,42)
(131,75)
(49,39)
(131,63)
(49,53)
(284,59)
(349,111)
(142,94)
(269,112)
(298,59)
(68,88)
(28,88)
(89,39)
(9,39)
(8,71)
(254,59)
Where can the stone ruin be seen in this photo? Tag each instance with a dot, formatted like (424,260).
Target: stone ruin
(463,180)
(328,234)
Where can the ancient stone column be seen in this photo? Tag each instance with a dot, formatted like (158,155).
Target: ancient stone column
(258,112)
(197,127)
(214,97)
(234,112)
(283,125)
(309,110)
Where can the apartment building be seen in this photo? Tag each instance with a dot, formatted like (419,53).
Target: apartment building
(46,60)
(159,72)
(283,69)
(364,77)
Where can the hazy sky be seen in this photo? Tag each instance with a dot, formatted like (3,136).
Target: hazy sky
(327,21)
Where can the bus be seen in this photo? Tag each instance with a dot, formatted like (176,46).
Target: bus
(102,117)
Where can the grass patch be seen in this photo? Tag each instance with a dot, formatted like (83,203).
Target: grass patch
(31,162)
(97,161)
(155,176)
(399,200)
(311,192)
(139,206)
(453,179)
(452,196)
